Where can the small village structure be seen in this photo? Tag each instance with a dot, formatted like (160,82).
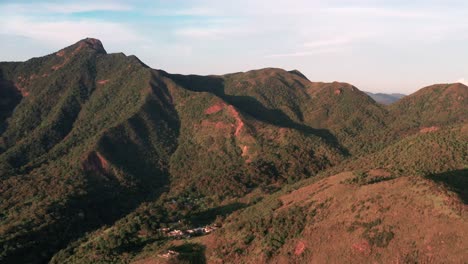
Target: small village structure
(178,233)
(169,254)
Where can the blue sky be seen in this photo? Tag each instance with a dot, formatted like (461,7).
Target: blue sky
(379,46)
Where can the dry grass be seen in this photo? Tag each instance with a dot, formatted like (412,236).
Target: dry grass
(395,221)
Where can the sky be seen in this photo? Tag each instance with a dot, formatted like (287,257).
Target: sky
(379,46)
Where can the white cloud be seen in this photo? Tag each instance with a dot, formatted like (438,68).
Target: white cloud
(199,32)
(319,46)
(213,32)
(64,8)
(379,12)
(327,42)
(304,53)
(60,33)
(196,11)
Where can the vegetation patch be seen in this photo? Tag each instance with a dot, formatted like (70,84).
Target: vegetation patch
(373,232)
(189,253)
(363,178)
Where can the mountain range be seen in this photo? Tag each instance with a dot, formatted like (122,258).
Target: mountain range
(101,157)
(384,98)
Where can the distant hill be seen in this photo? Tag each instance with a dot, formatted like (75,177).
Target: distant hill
(99,154)
(435,105)
(384,98)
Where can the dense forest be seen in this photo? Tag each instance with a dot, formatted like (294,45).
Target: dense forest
(102,157)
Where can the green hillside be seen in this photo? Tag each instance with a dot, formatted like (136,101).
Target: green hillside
(421,154)
(99,153)
(94,129)
(436,105)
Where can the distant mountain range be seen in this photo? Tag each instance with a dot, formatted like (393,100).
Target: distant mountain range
(101,157)
(384,98)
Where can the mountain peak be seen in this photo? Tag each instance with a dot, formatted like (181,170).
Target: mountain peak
(298,73)
(84,44)
(92,43)
(454,89)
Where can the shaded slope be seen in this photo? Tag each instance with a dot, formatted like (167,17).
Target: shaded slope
(220,139)
(288,99)
(69,162)
(334,111)
(10,97)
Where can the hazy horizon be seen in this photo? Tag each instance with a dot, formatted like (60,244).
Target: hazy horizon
(378,46)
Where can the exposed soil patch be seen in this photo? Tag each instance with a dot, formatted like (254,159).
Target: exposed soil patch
(239,122)
(60,53)
(103,81)
(362,247)
(22,90)
(215,108)
(237,127)
(66,57)
(218,125)
(95,162)
(429,129)
(379,173)
(300,247)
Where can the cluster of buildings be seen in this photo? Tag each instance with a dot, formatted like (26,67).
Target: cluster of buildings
(178,234)
(199,231)
(169,254)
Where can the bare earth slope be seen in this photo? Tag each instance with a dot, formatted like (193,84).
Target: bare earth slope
(403,220)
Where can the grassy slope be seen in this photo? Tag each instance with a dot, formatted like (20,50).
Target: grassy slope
(332,220)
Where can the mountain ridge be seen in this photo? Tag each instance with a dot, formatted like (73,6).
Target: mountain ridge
(92,140)
(385,98)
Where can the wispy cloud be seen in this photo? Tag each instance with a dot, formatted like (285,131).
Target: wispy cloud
(258,33)
(305,53)
(380,12)
(64,8)
(195,11)
(213,32)
(318,46)
(328,42)
(59,33)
